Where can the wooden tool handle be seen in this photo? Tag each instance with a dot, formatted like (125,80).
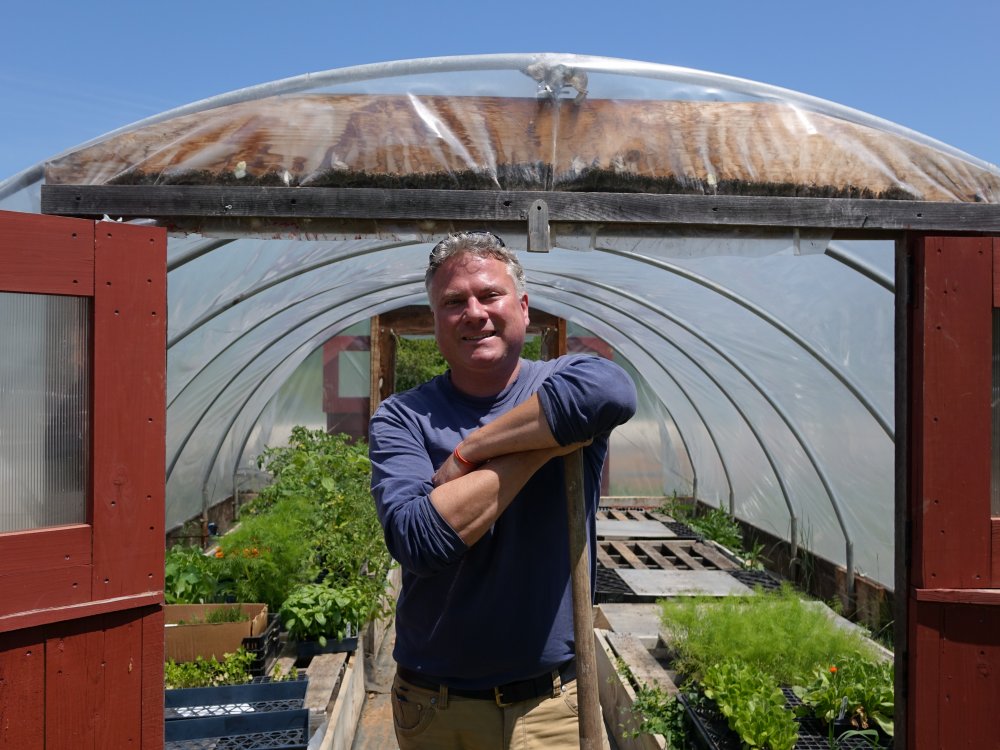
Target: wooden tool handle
(591,722)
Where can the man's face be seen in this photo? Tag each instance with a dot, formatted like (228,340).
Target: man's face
(479,321)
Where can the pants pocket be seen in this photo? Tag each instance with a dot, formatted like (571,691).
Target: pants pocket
(412,713)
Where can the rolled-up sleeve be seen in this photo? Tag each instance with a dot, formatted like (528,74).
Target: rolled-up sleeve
(415,533)
(588,397)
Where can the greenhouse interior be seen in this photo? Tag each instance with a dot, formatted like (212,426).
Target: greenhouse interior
(764,351)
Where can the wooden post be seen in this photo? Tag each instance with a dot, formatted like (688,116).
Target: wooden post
(583,609)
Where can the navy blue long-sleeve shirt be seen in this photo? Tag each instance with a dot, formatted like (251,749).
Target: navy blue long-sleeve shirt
(500,610)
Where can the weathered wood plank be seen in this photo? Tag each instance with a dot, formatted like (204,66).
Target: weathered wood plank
(623,549)
(52,256)
(995,551)
(22,691)
(121,672)
(604,559)
(43,589)
(165,201)
(650,548)
(711,553)
(969,691)
(982,597)
(646,670)
(953,316)
(345,713)
(617,698)
(152,678)
(50,548)
(130,320)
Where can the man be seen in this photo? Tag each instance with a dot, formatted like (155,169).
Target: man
(473,507)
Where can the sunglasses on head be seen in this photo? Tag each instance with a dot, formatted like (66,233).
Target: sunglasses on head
(474,232)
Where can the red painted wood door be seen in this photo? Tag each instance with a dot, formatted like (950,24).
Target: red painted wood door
(953,587)
(81,625)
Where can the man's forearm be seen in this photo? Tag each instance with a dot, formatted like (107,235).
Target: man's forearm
(523,428)
(473,502)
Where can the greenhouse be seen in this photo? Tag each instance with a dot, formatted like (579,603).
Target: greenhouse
(749,254)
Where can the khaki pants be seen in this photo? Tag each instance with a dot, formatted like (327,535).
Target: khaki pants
(429,720)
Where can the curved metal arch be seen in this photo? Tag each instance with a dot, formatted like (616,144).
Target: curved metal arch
(321,336)
(861,266)
(763,391)
(222,307)
(691,402)
(768,318)
(249,330)
(793,517)
(680,430)
(197,250)
(779,410)
(191,430)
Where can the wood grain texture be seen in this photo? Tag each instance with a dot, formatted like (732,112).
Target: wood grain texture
(45,588)
(925,702)
(995,552)
(981,597)
(38,617)
(951,515)
(22,692)
(47,548)
(343,208)
(92,683)
(129,409)
(970,677)
(46,255)
(532,143)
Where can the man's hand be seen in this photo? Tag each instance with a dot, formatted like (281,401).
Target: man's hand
(452,468)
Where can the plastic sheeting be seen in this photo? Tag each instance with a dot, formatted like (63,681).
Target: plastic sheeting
(765,361)
(534,122)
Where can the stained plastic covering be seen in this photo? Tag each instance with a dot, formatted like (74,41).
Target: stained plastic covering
(764,361)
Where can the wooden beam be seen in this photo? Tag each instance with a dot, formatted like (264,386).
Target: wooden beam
(167,202)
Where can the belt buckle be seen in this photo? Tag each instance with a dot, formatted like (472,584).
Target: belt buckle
(498,696)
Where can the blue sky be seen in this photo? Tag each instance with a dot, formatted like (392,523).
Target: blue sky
(70,71)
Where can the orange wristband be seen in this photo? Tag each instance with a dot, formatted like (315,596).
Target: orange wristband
(464,461)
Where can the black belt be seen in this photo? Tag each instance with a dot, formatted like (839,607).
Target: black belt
(504,695)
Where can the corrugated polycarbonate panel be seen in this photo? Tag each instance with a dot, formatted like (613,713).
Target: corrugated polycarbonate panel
(44,410)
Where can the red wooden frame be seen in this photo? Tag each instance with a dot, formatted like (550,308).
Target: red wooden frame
(954,588)
(81,623)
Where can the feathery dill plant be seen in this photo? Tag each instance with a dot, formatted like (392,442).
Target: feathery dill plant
(778,633)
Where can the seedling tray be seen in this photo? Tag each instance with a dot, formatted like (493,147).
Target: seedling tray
(275,730)
(264,647)
(711,732)
(261,714)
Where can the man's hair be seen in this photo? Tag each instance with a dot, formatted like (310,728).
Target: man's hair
(480,243)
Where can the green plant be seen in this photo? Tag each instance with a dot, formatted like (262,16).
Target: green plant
(753,705)
(234,669)
(753,559)
(226,614)
(279,675)
(269,553)
(318,611)
(857,690)
(778,633)
(189,576)
(659,713)
(712,523)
